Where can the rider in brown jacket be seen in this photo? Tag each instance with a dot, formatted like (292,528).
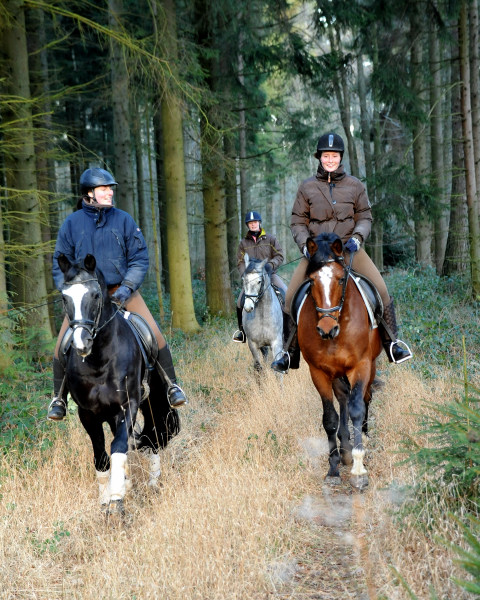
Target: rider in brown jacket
(332,201)
(259,245)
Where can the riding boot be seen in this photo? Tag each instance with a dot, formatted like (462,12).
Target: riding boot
(176,396)
(290,359)
(239,336)
(57,409)
(388,333)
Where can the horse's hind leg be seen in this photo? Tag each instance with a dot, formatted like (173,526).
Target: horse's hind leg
(341,388)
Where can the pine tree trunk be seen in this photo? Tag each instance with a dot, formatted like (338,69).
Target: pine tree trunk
(423,233)
(471,188)
(24,212)
(125,192)
(181,294)
(437,145)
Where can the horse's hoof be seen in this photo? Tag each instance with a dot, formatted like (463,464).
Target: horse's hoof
(333,479)
(359,482)
(115,508)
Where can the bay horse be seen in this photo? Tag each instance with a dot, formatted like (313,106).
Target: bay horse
(105,373)
(340,346)
(262,315)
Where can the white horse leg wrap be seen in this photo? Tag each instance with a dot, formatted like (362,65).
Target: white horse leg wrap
(117,480)
(155,471)
(358,468)
(103,480)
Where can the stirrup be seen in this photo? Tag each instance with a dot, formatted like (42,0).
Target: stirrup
(239,334)
(176,396)
(281,368)
(406,348)
(57,403)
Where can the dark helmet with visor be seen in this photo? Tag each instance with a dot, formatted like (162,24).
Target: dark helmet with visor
(252,215)
(329,142)
(92,178)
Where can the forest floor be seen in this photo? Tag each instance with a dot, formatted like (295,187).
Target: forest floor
(244,512)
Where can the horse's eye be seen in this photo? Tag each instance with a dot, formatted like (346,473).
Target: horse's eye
(341,281)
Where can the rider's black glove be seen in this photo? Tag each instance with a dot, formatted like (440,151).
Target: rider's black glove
(122,294)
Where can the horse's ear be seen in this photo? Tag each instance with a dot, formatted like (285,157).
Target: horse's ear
(246,258)
(311,246)
(63,263)
(337,247)
(90,262)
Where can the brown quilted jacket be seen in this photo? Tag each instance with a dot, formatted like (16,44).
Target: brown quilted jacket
(265,246)
(340,206)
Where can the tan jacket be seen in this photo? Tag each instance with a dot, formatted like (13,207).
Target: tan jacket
(340,206)
(265,246)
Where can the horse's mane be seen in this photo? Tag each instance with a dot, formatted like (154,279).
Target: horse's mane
(253,265)
(324,251)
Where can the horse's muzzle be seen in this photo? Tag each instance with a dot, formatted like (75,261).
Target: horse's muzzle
(328,335)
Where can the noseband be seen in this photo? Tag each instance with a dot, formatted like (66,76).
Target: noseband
(328,312)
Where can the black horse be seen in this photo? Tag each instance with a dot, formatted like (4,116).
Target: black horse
(107,378)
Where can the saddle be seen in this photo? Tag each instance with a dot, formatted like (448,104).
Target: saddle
(140,328)
(371,297)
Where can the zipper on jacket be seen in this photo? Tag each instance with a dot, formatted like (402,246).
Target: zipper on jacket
(332,185)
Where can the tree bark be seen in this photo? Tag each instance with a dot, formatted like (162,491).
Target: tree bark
(28,278)
(125,192)
(468,148)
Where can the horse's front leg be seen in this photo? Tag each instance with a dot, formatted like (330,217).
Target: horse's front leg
(357,410)
(341,388)
(330,421)
(256,353)
(122,428)
(94,428)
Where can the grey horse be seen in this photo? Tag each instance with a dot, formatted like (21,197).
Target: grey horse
(262,313)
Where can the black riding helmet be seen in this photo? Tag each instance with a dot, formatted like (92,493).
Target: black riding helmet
(329,142)
(252,215)
(92,178)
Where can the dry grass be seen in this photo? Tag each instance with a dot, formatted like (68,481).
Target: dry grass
(243,512)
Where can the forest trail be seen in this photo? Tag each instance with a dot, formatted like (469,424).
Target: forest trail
(244,512)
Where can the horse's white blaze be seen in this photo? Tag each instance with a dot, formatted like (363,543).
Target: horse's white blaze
(118,475)
(103,479)
(155,471)
(358,468)
(326,278)
(76,292)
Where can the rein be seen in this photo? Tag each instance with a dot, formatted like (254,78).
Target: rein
(327,312)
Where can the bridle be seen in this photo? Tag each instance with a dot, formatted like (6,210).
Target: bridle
(328,312)
(261,292)
(92,326)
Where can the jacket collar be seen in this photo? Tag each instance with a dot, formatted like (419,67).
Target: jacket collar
(337,175)
(250,234)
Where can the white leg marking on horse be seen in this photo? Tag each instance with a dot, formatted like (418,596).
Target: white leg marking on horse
(326,278)
(358,468)
(155,471)
(117,479)
(103,479)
